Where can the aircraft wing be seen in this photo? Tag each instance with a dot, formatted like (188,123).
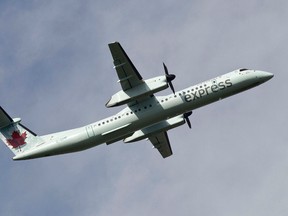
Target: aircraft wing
(157,134)
(128,75)
(161,142)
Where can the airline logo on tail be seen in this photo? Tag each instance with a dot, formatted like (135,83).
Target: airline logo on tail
(17,139)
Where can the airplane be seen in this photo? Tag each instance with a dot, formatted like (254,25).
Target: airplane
(145,116)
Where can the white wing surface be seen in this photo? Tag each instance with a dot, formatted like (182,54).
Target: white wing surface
(161,142)
(128,75)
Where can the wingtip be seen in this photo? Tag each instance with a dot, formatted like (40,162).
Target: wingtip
(114,42)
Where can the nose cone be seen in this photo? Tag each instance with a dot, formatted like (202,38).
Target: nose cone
(264,76)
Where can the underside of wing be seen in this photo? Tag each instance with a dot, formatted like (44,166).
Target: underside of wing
(157,134)
(128,75)
(134,89)
(161,142)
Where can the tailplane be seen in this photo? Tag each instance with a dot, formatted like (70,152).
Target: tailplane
(16,136)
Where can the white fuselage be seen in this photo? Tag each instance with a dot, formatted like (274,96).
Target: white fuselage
(147,113)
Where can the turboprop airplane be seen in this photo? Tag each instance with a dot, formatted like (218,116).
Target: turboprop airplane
(145,116)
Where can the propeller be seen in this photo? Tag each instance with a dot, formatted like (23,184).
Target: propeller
(169,78)
(186,117)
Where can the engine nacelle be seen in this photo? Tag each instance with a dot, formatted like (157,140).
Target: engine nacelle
(149,87)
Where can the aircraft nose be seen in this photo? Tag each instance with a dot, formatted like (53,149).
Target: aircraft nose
(265,76)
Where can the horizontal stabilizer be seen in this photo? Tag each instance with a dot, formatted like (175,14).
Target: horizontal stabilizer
(5,119)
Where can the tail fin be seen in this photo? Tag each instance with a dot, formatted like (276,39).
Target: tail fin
(16,136)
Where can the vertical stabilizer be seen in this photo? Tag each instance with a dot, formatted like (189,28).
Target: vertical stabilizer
(16,136)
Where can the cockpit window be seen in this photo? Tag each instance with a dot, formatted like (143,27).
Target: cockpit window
(243,69)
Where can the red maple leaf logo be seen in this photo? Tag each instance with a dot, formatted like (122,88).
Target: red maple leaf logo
(17,139)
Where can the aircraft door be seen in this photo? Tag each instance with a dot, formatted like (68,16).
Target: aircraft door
(89,130)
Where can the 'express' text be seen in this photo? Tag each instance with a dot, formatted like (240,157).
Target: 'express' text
(199,93)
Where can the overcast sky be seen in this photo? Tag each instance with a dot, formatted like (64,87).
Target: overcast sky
(56,73)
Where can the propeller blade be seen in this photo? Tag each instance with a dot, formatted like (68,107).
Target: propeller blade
(165,69)
(186,117)
(169,78)
(188,122)
(172,87)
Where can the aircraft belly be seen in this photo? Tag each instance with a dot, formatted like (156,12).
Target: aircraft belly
(67,144)
(162,111)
